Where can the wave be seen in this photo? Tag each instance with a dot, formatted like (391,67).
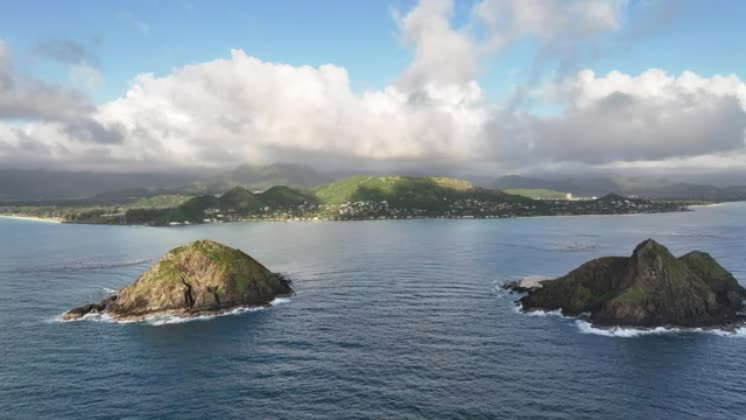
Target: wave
(32,218)
(158,320)
(556,313)
(168,319)
(571,246)
(82,265)
(695,206)
(517,309)
(100,265)
(586,327)
(700,235)
(577,247)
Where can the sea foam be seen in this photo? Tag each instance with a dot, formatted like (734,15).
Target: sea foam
(586,327)
(167,319)
(517,309)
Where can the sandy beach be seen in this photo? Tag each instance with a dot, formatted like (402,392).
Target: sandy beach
(32,219)
(705,205)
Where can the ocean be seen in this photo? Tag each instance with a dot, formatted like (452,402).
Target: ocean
(391,319)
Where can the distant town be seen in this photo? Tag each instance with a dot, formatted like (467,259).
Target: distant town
(353,198)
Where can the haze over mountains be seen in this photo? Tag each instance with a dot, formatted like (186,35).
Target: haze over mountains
(522,86)
(42,185)
(37,185)
(645,186)
(259,178)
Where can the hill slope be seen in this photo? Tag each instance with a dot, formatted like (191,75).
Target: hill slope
(649,288)
(406,191)
(258,178)
(659,188)
(236,202)
(42,185)
(537,193)
(200,277)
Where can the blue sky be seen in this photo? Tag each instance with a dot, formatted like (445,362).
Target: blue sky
(462,84)
(131,37)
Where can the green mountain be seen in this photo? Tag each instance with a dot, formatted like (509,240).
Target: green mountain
(27,185)
(537,193)
(426,195)
(353,198)
(203,277)
(430,193)
(237,202)
(650,288)
(659,188)
(258,178)
(241,198)
(282,197)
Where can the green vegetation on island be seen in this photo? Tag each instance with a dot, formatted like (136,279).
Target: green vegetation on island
(353,198)
(98,209)
(650,288)
(200,277)
(258,178)
(538,193)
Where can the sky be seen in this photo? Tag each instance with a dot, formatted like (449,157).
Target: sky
(485,86)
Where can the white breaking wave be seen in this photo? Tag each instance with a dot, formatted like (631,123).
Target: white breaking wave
(586,327)
(32,219)
(167,319)
(557,313)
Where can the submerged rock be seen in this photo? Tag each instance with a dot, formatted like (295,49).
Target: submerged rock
(650,288)
(201,277)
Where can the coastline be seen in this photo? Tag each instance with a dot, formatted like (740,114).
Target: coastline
(709,205)
(326,220)
(32,218)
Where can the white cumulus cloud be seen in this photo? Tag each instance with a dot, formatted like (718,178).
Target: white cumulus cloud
(241,109)
(244,109)
(648,117)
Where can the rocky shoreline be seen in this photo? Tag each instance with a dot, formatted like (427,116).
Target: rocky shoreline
(651,288)
(200,278)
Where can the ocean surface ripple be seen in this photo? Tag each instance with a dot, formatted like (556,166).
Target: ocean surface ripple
(391,319)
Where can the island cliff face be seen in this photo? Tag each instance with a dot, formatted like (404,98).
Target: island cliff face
(201,277)
(650,288)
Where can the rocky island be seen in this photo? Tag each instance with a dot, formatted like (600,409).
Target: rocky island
(650,288)
(203,277)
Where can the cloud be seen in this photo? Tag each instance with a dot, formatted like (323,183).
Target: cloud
(84,65)
(28,98)
(66,51)
(618,118)
(650,116)
(550,21)
(241,109)
(622,127)
(442,54)
(86,77)
(38,103)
